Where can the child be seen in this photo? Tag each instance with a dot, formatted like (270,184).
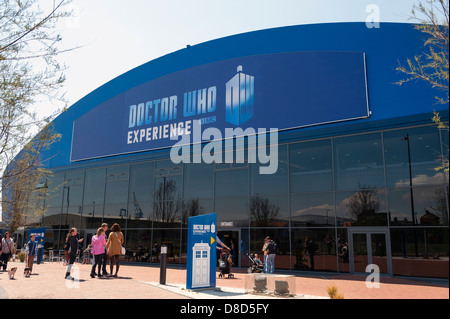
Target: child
(98,250)
(86,254)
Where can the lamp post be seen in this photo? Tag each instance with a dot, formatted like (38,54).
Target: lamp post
(406,138)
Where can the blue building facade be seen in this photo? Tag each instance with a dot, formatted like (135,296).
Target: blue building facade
(355,152)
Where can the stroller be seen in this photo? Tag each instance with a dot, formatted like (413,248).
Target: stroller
(225,263)
(255,267)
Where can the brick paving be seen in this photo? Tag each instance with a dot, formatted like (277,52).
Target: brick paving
(134,282)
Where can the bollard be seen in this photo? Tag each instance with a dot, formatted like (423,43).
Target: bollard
(163,265)
(39,255)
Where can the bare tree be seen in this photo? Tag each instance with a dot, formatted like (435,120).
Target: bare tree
(167,205)
(363,204)
(29,72)
(262,211)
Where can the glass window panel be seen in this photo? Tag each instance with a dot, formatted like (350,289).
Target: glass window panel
(366,207)
(323,244)
(420,252)
(195,207)
(140,202)
(94,192)
(168,188)
(310,166)
(54,200)
(198,180)
(232,209)
(139,242)
(170,238)
(73,198)
(358,162)
(343,250)
(400,207)
(167,207)
(232,182)
(280,236)
(116,193)
(425,151)
(312,209)
(269,211)
(430,204)
(276,183)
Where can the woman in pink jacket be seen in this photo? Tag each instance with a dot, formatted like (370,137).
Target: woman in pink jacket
(98,250)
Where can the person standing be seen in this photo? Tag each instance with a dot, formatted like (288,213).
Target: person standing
(73,251)
(98,250)
(7,250)
(30,251)
(271,253)
(266,252)
(310,250)
(104,226)
(114,247)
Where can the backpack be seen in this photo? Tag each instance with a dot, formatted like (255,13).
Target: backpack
(272,247)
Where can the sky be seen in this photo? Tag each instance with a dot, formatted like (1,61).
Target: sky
(116,36)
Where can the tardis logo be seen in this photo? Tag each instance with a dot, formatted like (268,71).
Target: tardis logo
(239,102)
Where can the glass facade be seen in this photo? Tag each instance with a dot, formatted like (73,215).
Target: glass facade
(337,191)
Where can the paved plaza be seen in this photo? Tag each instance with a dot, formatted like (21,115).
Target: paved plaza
(142,282)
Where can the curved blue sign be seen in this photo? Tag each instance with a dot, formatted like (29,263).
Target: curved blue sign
(274,91)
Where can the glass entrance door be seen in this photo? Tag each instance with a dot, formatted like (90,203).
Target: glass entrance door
(369,247)
(231,238)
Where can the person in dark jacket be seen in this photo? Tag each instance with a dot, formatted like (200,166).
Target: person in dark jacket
(31,251)
(73,250)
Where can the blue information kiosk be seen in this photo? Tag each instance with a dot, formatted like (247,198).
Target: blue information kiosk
(201,252)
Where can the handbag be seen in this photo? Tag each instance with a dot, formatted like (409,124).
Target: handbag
(123,251)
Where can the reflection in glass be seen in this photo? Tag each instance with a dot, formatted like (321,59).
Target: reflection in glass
(72,199)
(116,196)
(310,166)
(198,180)
(169,238)
(139,242)
(360,257)
(168,203)
(276,183)
(315,209)
(433,252)
(231,182)
(232,209)
(365,207)
(400,207)
(430,204)
(54,200)
(379,252)
(313,249)
(195,207)
(359,162)
(425,150)
(140,200)
(94,193)
(280,236)
(268,211)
